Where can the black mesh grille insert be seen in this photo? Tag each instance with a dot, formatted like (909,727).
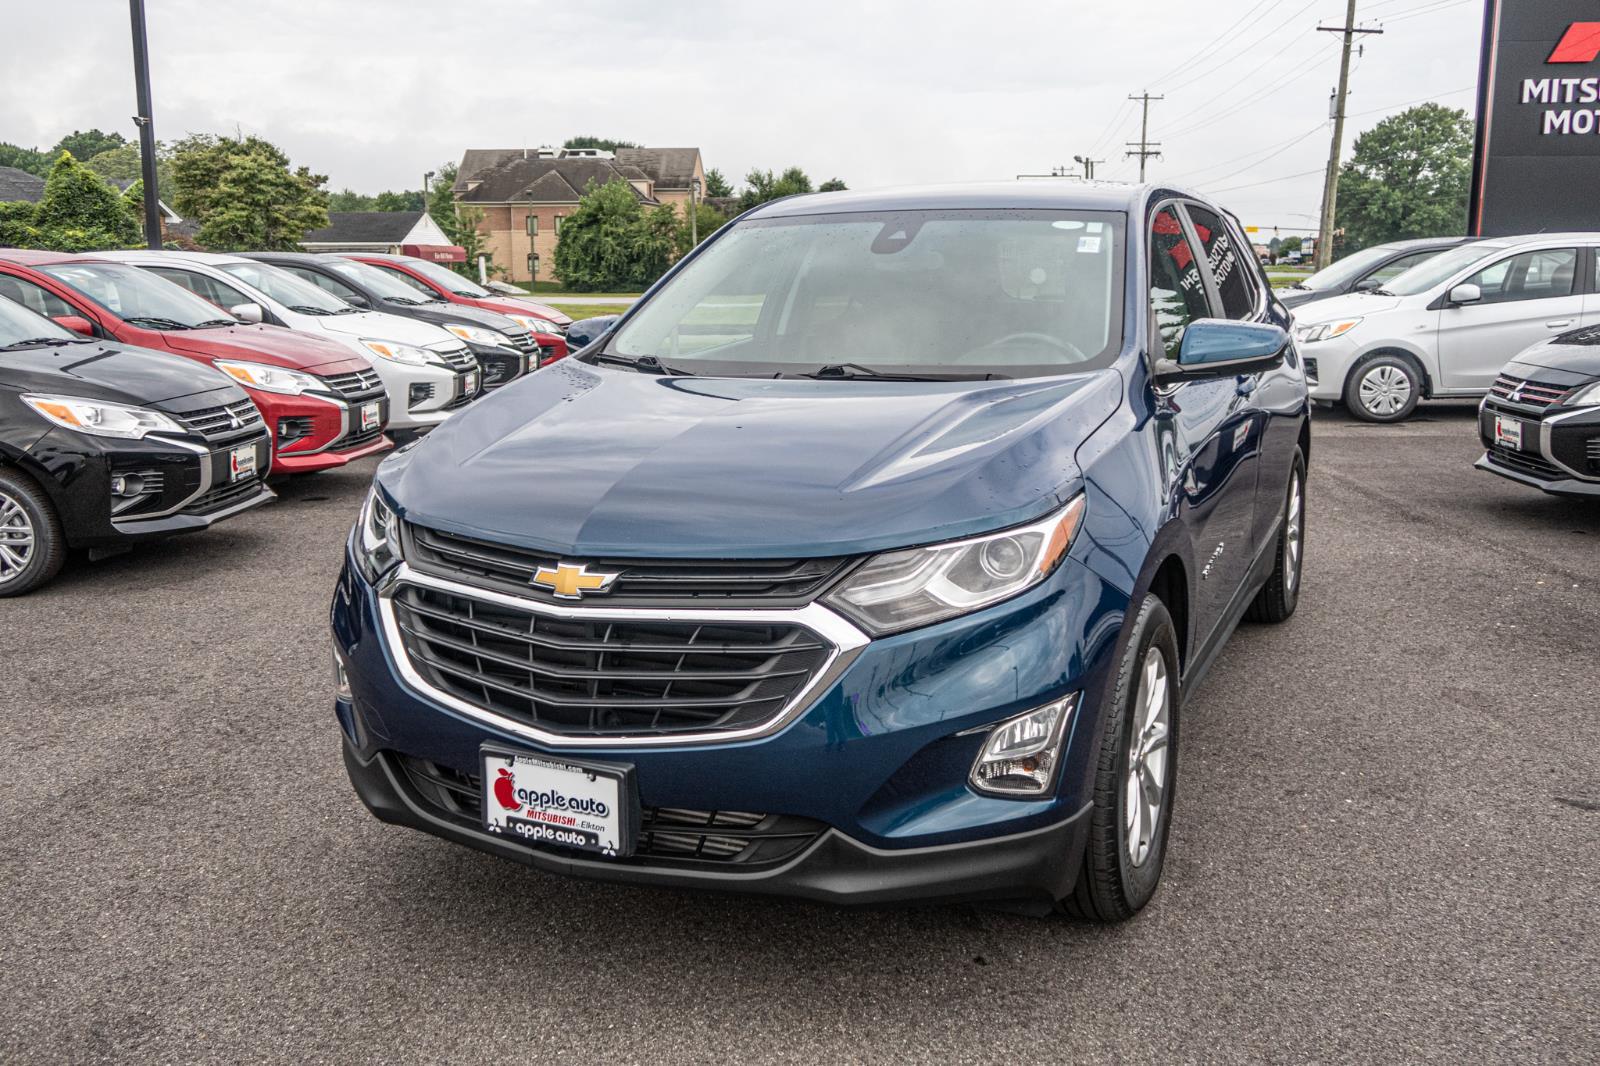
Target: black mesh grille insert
(592,677)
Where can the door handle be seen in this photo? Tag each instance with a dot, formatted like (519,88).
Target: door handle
(1560,323)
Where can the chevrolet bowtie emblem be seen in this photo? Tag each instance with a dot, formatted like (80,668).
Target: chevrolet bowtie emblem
(571,582)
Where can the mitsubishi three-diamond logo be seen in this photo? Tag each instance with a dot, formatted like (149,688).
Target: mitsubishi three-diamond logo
(1580,44)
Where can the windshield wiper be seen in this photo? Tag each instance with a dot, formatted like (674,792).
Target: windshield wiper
(647,363)
(857,372)
(1377,292)
(35,342)
(1301,285)
(307,309)
(404,301)
(216,322)
(157,322)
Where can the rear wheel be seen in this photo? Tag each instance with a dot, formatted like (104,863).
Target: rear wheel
(1383,388)
(1281,594)
(31,546)
(1134,777)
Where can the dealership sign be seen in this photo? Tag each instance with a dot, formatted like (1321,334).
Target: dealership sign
(1537,165)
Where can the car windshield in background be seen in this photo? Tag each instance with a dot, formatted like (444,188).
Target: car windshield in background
(381,282)
(287,289)
(1440,268)
(138,296)
(926,294)
(449,279)
(20,327)
(1346,270)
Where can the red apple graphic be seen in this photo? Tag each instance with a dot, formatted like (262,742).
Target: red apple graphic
(505,790)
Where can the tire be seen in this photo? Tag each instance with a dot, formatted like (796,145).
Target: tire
(1383,388)
(1118,876)
(32,548)
(1281,594)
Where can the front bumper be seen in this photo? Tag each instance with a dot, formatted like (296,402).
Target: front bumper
(313,432)
(498,365)
(1560,451)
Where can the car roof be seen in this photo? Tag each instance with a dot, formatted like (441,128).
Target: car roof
(1426,242)
(298,257)
(36,257)
(1043,194)
(150,255)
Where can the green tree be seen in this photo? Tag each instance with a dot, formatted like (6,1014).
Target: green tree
(79,211)
(16,225)
(716,184)
(460,222)
(1408,177)
(605,144)
(350,200)
(124,163)
(86,144)
(707,221)
(832,185)
(244,194)
(1289,244)
(405,200)
(611,244)
(30,159)
(763,185)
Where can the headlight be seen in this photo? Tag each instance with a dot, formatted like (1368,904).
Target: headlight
(1021,754)
(101,418)
(271,378)
(480,335)
(534,324)
(1583,396)
(914,587)
(1325,331)
(377,537)
(401,353)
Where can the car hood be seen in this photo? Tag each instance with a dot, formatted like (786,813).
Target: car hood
(513,305)
(382,326)
(442,312)
(101,371)
(1576,362)
(1354,305)
(585,461)
(1299,297)
(272,345)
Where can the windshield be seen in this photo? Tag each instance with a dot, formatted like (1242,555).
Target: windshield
(138,296)
(447,278)
(1442,267)
(1347,269)
(287,289)
(384,284)
(18,325)
(911,293)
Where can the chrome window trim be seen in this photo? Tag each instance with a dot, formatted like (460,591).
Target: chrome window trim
(844,638)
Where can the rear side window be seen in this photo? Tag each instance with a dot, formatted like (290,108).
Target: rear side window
(325,283)
(1177,291)
(1238,301)
(1537,275)
(38,300)
(1395,267)
(202,286)
(401,275)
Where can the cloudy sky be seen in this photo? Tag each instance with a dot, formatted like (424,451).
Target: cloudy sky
(375,92)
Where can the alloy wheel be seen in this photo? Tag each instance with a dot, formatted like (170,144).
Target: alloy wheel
(16,538)
(1292,529)
(1384,390)
(1147,758)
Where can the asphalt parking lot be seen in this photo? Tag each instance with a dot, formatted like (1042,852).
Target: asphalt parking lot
(1385,846)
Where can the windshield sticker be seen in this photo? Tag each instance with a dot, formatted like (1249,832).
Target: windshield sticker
(1089,245)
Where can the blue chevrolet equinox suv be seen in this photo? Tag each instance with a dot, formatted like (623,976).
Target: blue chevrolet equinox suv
(871,556)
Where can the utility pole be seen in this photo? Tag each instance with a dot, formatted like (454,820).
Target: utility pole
(1146,149)
(1330,187)
(1088,165)
(147,129)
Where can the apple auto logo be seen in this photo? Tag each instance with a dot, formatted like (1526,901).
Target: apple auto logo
(505,791)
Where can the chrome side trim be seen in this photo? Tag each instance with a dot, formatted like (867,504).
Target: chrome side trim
(1544,441)
(845,639)
(205,476)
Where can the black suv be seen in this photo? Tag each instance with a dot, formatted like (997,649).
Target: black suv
(1540,423)
(103,445)
(504,350)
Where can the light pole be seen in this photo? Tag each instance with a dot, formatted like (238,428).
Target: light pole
(425,179)
(694,213)
(146,123)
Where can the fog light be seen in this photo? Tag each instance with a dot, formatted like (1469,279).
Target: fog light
(1022,754)
(341,677)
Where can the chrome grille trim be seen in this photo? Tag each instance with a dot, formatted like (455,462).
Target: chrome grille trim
(218,423)
(355,384)
(845,642)
(1532,394)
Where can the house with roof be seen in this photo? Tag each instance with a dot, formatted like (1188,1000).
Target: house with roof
(402,232)
(525,193)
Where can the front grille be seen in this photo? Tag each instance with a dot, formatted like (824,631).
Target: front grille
(1311,370)
(640,582)
(136,490)
(522,340)
(502,369)
(294,428)
(667,835)
(458,358)
(220,423)
(1528,393)
(223,497)
(357,438)
(603,677)
(356,385)
(1593,450)
(1526,463)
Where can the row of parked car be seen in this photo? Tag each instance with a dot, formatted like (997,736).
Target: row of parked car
(149,393)
(1513,320)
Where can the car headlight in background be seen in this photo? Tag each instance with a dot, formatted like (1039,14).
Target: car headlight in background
(1021,754)
(917,586)
(1325,331)
(1583,396)
(534,324)
(402,353)
(377,540)
(480,335)
(101,418)
(272,378)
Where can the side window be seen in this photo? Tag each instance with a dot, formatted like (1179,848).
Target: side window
(1177,292)
(402,276)
(39,301)
(325,283)
(204,287)
(1539,275)
(1238,301)
(1397,267)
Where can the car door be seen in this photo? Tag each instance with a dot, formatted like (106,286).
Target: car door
(1211,421)
(1527,297)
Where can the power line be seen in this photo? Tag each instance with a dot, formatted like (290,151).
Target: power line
(1147,149)
(1269,181)
(1217,42)
(1225,60)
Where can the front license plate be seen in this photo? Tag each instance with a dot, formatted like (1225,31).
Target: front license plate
(242,462)
(469,384)
(542,800)
(370,416)
(1508,432)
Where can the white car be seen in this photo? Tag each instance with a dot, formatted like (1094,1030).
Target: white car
(1446,327)
(428,373)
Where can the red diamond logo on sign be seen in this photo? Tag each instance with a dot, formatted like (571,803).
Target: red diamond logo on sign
(1580,44)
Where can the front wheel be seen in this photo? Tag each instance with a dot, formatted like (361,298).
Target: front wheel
(31,546)
(1383,388)
(1137,766)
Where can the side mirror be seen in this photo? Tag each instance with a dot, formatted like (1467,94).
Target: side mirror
(586,331)
(250,312)
(355,299)
(75,323)
(1465,293)
(1368,284)
(1218,348)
